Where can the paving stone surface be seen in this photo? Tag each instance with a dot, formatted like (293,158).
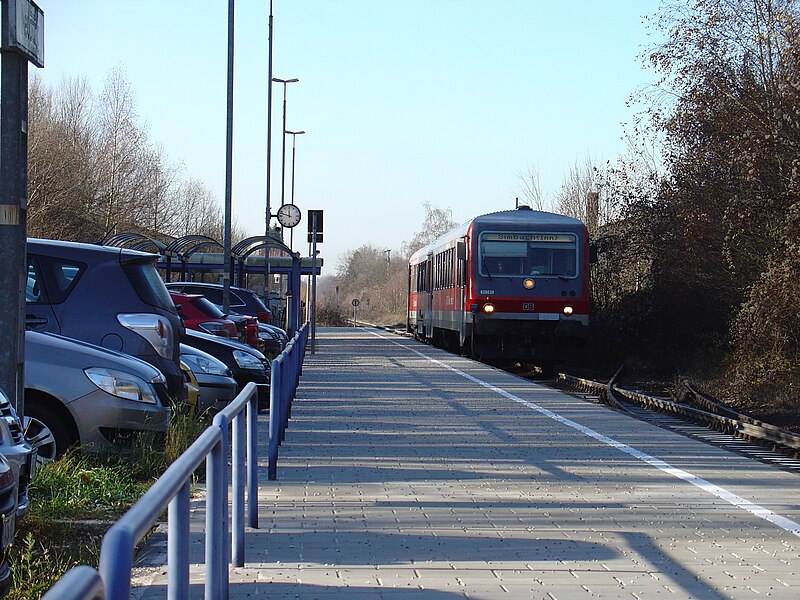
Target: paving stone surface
(411,473)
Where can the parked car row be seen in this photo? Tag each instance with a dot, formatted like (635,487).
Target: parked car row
(242,300)
(110,353)
(107,338)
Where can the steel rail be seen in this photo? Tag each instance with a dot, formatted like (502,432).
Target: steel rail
(710,415)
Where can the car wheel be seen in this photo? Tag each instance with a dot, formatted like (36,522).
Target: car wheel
(45,431)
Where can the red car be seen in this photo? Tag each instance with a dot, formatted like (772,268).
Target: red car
(247,328)
(200,314)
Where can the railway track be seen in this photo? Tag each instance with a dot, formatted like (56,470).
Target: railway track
(693,415)
(696,416)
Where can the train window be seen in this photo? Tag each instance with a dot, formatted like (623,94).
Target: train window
(524,254)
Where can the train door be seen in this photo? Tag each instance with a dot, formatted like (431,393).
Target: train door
(461,289)
(428,295)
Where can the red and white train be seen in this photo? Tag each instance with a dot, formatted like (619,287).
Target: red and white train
(506,286)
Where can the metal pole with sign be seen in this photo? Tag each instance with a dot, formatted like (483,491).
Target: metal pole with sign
(22,41)
(314,236)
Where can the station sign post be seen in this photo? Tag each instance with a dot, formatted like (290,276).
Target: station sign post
(22,39)
(314,237)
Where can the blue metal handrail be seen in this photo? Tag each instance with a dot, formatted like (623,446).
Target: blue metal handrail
(285,376)
(172,491)
(79,583)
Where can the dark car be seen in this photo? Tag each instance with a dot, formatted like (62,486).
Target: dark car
(200,314)
(17,451)
(246,363)
(214,379)
(247,327)
(242,300)
(272,339)
(110,297)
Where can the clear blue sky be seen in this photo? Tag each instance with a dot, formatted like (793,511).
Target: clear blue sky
(403,101)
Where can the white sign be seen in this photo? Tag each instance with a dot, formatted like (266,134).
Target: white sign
(25,30)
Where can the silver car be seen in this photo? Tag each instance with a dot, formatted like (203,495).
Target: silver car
(78,393)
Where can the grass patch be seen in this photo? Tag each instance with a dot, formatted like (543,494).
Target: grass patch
(75,499)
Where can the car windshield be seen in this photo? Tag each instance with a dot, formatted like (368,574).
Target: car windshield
(207,308)
(518,254)
(256,302)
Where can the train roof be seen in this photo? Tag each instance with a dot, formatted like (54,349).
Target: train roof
(523,214)
(526,215)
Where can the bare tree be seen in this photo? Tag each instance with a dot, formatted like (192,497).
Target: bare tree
(121,151)
(60,151)
(587,193)
(530,190)
(160,200)
(438,221)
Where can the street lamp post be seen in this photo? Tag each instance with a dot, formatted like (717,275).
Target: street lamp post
(294,135)
(283,154)
(283,135)
(269,154)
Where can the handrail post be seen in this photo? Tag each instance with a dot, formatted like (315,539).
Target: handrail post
(274,417)
(216,557)
(178,545)
(116,562)
(252,460)
(237,521)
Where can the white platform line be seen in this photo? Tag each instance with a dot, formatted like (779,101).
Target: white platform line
(759,511)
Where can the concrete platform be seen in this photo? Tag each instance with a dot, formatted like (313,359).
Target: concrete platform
(408,472)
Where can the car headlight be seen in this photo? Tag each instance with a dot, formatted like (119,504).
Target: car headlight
(122,385)
(202,364)
(267,335)
(247,361)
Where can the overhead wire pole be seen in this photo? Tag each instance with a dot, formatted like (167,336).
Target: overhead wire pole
(269,155)
(226,244)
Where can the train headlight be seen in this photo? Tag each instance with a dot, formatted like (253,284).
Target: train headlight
(567,310)
(528,284)
(488,308)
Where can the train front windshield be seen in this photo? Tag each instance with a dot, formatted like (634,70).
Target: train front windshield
(516,254)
